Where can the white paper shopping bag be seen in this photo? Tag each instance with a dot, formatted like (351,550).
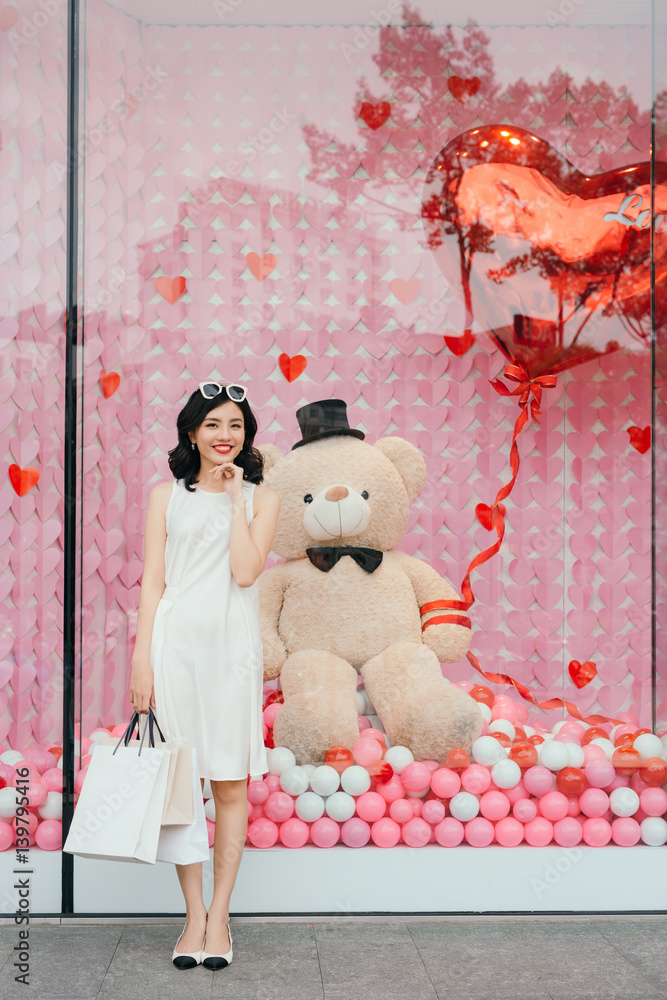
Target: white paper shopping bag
(119,810)
(185,844)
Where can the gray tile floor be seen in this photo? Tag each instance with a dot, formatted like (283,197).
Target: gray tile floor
(611,957)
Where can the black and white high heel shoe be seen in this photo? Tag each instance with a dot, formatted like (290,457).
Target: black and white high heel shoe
(210,961)
(184,959)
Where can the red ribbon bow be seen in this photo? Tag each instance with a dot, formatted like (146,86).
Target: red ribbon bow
(526,387)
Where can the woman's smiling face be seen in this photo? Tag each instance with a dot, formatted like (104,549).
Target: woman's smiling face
(220,436)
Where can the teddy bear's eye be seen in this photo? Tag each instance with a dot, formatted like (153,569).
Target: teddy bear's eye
(364,494)
(308,498)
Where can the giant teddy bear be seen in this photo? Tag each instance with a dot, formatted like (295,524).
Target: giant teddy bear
(346,602)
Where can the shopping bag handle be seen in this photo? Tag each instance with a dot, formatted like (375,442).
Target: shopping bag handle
(136,721)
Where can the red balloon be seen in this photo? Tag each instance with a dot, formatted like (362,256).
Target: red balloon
(555,265)
(274,696)
(653,771)
(339,758)
(571,781)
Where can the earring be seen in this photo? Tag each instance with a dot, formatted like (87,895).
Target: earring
(193,445)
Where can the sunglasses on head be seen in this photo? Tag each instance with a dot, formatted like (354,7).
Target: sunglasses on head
(237,393)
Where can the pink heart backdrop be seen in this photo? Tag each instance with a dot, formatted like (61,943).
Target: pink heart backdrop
(238,159)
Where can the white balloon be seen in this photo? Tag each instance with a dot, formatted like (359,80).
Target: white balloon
(464,805)
(528,730)
(99,734)
(325,780)
(340,806)
(506,773)
(399,757)
(485,710)
(207,791)
(487,750)
(52,807)
(8,802)
(606,745)
(209,809)
(502,726)
(363,704)
(309,806)
(624,801)
(310,768)
(355,780)
(294,780)
(553,755)
(10,757)
(654,831)
(649,745)
(557,726)
(279,758)
(576,754)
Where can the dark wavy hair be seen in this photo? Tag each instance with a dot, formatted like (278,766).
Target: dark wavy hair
(184,461)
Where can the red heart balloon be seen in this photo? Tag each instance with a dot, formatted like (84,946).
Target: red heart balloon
(552,263)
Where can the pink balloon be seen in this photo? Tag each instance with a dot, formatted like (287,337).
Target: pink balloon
(554,805)
(625,831)
(255,811)
(538,780)
(594,802)
(272,782)
(653,801)
(599,773)
(6,836)
(432,765)
(416,832)
(445,782)
(479,832)
(464,685)
(509,832)
(355,832)
(596,831)
(637,785)
(485,728)
(37,792)
(392,789)
(433,811)
(504,710)
(494,805)
(522,711)
(79,778)
(263,833)
(416,776)
(574,730)
(258,792)
(524,810)
(400,810)
(373,733)
(620,781)
(44,760)
(363,723)
(515,793)
(538,832)
(294,832)
(270,712)
(370,806)
(568,831)
(24,765)
(210,830)
(385,832)
(325,832)
(279,806)
(574,809)
(475,778)
(53,779)
(449,832)
(367,750)
(49,835)
(31,822)
(593,752)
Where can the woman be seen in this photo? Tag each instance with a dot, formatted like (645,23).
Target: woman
(198,654)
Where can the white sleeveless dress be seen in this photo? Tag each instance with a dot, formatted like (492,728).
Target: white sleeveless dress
(206,650)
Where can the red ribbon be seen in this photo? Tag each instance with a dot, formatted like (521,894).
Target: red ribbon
(526,388)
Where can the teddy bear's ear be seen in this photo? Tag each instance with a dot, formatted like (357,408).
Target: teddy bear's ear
(270,454)
(409,463)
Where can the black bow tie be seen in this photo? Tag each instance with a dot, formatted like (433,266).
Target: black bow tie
(326,556)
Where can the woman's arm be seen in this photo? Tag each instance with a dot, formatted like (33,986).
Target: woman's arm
(141,692)
(251,543)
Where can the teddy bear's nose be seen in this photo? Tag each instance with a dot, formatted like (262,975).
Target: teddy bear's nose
(336,493)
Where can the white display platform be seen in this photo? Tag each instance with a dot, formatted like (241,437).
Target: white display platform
(347,881)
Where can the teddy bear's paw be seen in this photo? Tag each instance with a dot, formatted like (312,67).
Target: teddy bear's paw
(309,730)
(433,728)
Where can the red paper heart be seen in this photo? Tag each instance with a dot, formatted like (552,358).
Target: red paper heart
(582,673)
(292,367)
(460,345)
(23,480)
(375,115)
(552,263)
(170,289)
(483,512)
(640,438)
(261,267)
(110,382)
(463,88)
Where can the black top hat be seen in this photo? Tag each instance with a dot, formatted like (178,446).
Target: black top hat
(325,418)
